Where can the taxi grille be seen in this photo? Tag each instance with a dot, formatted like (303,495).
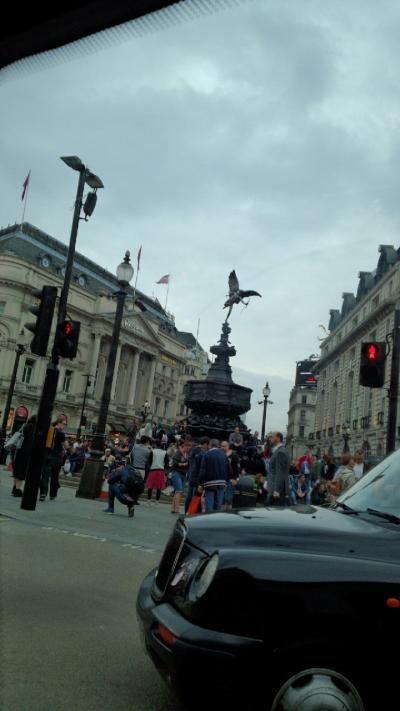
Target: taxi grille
(169,560)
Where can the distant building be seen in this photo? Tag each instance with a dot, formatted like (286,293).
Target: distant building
(346,410)
(301,414)
(153,356)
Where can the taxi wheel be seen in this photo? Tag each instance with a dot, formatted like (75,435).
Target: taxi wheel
(314,688)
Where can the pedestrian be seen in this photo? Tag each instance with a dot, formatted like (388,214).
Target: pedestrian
(234,464)
(156,478)
(214,476)
(278,478)
(344,477)
(320,494)
(180,466)
(126,485)
(22,456)
(108,460)
(195,457)
(139,456)
(53,461)
(300,492)
(236,440)
(359,466)
(328,468)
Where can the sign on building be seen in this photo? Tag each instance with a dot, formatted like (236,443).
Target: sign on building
(304,375)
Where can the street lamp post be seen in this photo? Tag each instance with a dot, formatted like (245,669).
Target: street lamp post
(266,392)
(78,431)
(48,396)
(346,437)
(91,479)
(20,347)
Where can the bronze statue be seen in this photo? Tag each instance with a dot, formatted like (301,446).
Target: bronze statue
(236,295)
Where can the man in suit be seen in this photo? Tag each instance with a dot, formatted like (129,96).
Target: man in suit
(278,478)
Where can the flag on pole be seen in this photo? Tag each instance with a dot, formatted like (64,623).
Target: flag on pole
(164,279)
(25,185)
(138,257)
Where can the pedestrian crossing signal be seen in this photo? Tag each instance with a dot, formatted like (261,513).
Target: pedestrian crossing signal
(67,338)
(372,365)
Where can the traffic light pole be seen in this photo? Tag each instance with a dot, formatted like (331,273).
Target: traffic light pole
(19,352)
(47,399)
(79,430)
(394,386)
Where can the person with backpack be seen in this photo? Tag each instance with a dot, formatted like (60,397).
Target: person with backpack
(23,449)
(124,484)
(54,460)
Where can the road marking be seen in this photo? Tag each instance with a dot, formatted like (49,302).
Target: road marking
(132,546)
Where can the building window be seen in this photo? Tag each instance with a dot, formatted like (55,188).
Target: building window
(375,302)
(67,381)
(157,405)
(166,403)
(28,370)
(302,415)
(172,373)
(304,399)
(182,409)
(354,322)
(390,289)
(301,431)
(2,307)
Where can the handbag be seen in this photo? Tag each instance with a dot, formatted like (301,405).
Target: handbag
(15,442)
(67,467)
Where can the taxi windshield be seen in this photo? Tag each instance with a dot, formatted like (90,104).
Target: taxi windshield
(378,490)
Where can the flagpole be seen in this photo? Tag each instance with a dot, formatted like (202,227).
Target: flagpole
(166,299)
(25,199)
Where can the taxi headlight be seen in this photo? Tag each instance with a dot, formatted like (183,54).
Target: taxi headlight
(203,579)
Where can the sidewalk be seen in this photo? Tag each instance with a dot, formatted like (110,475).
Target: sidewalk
(149,528)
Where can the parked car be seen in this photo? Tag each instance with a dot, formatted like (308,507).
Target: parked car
(309,595)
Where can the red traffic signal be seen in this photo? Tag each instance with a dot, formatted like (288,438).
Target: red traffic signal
(67,338)
(372,365)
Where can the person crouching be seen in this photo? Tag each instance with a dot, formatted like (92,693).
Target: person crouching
(124,484)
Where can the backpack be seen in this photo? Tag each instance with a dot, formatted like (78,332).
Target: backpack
(133,481)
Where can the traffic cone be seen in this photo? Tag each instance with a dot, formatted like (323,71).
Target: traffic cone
(104,491)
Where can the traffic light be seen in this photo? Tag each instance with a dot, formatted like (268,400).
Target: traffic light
(43,311)
(67,338)
(372,365)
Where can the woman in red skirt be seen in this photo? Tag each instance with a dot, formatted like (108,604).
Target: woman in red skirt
(156,478)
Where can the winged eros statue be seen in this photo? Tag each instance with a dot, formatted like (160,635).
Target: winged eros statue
(236,295)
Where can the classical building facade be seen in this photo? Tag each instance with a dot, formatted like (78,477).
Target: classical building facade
(348,415)
(301,414)
(152,358)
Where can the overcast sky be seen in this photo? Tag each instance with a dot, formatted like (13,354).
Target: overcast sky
(263,138)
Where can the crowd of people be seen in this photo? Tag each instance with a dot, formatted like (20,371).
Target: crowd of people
(206,475)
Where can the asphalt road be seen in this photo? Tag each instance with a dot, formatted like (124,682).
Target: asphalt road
(70,575)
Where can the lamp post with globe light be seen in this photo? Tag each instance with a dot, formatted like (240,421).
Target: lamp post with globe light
(266,392)
(346,437)
(91,480)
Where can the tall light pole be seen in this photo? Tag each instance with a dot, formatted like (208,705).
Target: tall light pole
(87,376)
(266,392)
(346,437)
(20,347)
(91,479)
(48,396)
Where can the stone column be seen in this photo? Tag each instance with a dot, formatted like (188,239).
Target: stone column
(151,380)
(133,378)
(94,361)
(114,382)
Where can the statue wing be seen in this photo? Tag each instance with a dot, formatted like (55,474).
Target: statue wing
(249,293)
(233,282)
